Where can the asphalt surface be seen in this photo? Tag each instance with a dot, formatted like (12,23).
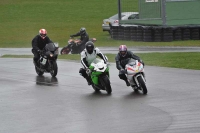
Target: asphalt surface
(113,50)
(66,104)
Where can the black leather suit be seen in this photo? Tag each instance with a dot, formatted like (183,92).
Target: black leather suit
(38,44)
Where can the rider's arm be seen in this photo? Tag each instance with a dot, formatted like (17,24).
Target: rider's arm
(77,34)
(84,60)
(136,57)
(102,56)
(49,40)
(133,55)
(118,65)
(35,43)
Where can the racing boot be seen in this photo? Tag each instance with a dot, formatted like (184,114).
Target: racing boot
(36,63)
(88,80)
(127,83)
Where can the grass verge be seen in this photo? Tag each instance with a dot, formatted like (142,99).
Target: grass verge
(185,60)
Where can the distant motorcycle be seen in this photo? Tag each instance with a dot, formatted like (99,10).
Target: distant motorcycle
(135,74)
(99,74)
(47,62)
(73,46)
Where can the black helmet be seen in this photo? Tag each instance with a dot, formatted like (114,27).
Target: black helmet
(82,31)
(89,47)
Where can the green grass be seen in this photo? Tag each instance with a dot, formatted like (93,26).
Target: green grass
(22,19)
(17,56)
(189,60)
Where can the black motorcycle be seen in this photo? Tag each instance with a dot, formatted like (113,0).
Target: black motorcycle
(47,62)
(73,46)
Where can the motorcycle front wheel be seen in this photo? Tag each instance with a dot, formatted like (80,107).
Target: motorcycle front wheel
(40,73)
(142,85)
(95,88)
(53,68)
(65,50)
(106,84)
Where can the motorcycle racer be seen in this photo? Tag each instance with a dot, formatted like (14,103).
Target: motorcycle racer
(120,58)
(84,38)
(87,56)
(38,43)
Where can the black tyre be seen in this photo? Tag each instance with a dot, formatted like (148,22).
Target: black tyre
(40,73)
(96,89)
(142,84)
(106,84)
(53,68)
(65,50)
(134,88)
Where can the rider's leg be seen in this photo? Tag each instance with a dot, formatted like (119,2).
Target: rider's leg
(83,73)
(123,77)
(36,57)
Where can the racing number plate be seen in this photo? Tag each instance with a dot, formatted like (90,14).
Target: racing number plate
(44,61)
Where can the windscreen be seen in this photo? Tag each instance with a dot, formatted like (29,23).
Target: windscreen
(128,61)
(50,47)
(96,60)
(131,62)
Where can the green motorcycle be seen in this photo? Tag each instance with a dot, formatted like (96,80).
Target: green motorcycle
(99,73)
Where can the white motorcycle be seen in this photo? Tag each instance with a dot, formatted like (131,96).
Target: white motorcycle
(135,74)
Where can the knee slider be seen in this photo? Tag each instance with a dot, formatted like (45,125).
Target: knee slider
(122,76)
(82,72)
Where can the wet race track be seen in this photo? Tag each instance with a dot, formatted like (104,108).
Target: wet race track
(66,104)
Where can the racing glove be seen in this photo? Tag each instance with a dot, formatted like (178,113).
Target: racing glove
(122,71)
(88,71)
(141,62)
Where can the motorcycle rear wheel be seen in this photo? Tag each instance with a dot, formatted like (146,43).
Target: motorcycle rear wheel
(106,84)
(142,85)
(54,68)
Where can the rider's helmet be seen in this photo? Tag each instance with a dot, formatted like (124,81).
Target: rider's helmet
(89,46)
(123,50)
(42,33)
(82,31)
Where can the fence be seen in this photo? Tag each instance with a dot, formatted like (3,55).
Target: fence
(164,12)
(159,20)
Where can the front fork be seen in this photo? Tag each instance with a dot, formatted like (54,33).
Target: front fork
(136,79)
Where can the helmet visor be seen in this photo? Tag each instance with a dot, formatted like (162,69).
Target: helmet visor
(90,50)
(43,35)
(122,52)
(82,32)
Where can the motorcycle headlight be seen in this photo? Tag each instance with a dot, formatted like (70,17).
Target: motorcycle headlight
(51,55)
